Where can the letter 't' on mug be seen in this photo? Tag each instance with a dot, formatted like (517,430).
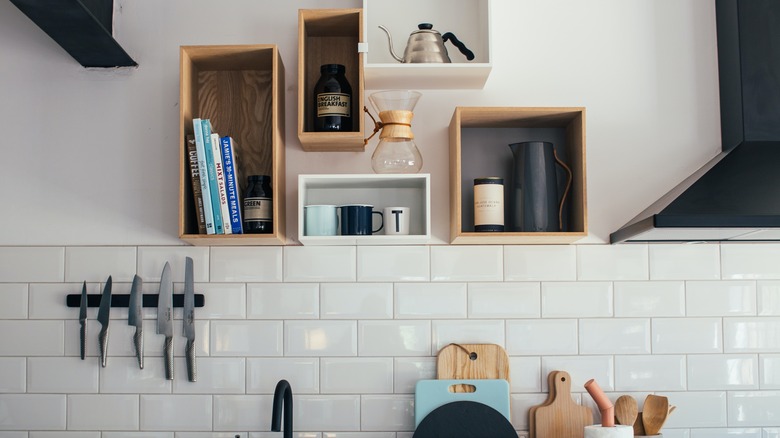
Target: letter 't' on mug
(356,220)
(396,220)
(320,220)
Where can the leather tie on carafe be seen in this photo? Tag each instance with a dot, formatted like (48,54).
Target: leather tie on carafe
(378,125)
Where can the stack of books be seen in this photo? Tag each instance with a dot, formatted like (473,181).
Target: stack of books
(214,180)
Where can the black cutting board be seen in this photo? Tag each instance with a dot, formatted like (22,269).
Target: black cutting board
(465,419)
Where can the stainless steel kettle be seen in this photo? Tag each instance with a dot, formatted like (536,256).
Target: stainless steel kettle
(427,45)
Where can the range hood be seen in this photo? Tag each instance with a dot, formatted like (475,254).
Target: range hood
(736,196)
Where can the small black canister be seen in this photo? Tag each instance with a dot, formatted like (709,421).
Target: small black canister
(332,100)
(258,205)
(489,204)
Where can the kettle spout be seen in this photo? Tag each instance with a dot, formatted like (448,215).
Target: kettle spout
(390,44)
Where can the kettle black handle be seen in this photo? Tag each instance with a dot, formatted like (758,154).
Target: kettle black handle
(462,47)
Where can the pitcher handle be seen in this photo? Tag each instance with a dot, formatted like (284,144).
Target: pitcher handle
(565,192)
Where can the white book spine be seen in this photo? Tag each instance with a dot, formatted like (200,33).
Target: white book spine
(223,202)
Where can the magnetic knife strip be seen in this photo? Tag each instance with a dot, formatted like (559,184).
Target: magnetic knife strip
(120,300)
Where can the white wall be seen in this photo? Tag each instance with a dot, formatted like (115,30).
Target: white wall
(98,149)
(90,189)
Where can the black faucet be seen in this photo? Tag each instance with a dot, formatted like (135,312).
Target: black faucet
(283,393)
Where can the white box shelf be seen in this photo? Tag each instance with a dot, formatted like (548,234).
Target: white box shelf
(469,20)
(385,190)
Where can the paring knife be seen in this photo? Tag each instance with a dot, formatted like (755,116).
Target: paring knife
(83,321)
(103,314)
(165,318)
(135,318)
(189,320)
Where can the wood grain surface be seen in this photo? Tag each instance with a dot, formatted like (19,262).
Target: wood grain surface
(490,361)
(562,418)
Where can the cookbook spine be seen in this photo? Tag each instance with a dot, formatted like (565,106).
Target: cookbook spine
(216,149)
(197,194)
(205,187)
(231,183)
(216,209)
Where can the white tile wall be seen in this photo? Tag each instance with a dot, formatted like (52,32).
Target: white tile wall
(245,264)
(13,374)
(393,263)
(540,263)
(504,300)
(103,412)
(427,300)
(354,328)
(95,263)
(356,300)
(572,299)
(649,298)
(13,301)
(720,298)
(283,301)
(684,262)
(467,263)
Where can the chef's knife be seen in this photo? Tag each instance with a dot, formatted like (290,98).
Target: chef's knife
(189,320)
(134,318)
(165,318)
(83,321)
(103,313)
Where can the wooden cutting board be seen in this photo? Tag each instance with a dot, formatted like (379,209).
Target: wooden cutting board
(562,418)
(550,398)
(472,361)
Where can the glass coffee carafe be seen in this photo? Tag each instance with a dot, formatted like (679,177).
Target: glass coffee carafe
(396,151)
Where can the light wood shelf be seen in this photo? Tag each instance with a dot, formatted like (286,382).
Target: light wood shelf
(240,88)
(329,36)
(479,147)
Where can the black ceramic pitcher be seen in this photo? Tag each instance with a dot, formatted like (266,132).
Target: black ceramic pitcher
(533,197)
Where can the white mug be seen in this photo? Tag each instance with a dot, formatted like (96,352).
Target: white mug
(396,220)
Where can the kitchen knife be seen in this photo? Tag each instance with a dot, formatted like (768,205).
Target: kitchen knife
(165,318)
(83,321)
(103,314)
(189,320)
(134,318)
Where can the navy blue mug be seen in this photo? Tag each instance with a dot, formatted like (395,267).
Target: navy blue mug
(357,220)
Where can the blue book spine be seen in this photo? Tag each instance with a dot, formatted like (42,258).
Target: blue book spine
(203,169)
(231,184)
(216,208)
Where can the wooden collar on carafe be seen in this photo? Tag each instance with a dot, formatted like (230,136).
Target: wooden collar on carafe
(393,124)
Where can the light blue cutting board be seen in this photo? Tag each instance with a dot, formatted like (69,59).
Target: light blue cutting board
(430,394)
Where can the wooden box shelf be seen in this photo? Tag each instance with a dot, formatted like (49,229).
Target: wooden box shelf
(329,36)
(469,20)
(379,190)
(240,88)
(479,147)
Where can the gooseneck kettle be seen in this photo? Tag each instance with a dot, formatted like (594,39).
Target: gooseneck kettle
(427,45)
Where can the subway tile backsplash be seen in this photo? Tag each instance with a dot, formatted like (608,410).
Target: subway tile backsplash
(354,328)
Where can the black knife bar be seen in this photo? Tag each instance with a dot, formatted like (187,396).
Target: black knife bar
(119,300)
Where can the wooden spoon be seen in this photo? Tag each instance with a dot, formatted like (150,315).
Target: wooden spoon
(626,410)
(654,413)
(639,429)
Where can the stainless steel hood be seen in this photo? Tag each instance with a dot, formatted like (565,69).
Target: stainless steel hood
(736,196)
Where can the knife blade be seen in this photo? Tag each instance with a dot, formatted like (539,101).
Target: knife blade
(83,321)
(103,314)
(189,320)
(135,318)
(165,318)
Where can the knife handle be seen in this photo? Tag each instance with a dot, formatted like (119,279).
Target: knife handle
(192,368)
(168,353)
(83,339)
(103,338)
(138,340)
